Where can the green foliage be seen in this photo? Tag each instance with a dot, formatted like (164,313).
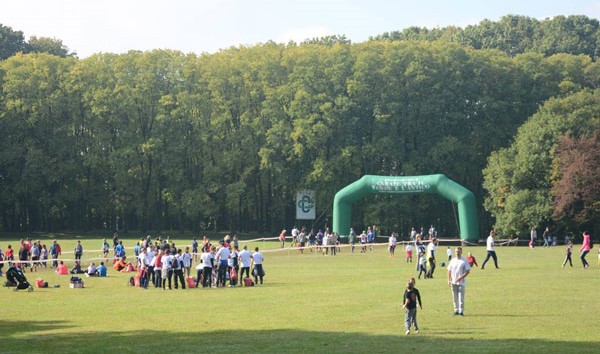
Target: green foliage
(160,140)
(518,179)
(515,35)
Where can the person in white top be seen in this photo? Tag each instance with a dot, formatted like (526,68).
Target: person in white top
(295,233)
(458,269)
(257,260)
(245,260)
(222,258)
(431,262)
(490,250)
(207,258)
(167,271)
(392,245)
(186,258)
(149,265)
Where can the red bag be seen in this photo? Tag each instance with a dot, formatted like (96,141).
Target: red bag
(233,274)
(191,282)
(248,282)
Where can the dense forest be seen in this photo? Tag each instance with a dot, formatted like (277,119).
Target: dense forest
(163,140)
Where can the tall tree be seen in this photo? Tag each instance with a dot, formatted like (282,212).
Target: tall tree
(576,189)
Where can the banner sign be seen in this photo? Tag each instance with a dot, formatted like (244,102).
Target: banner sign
(305,205)
(412,185)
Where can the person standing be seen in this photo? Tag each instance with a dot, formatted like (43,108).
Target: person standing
(157,263)
(221,259)
(105,249)
(490,250)
(177,265)
(458,270)
(409,252)
(295,233)
(208,259)
(245,259)
(352,239)
(431,247)
(411,298)
(186,258)
(392,241)
(282,238)
(195,249)
(234,267)
(585,249)
(55,251)
(78,251)
(257,260)
(568,255)
(167,270)
(533,237)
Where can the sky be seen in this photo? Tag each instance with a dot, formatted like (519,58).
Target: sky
(206,26)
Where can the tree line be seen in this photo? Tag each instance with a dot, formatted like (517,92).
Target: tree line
(162,140)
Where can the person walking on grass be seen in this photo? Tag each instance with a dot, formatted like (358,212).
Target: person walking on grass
(568,255)
(458,270)
(412,297)
(490,250)
(585,249)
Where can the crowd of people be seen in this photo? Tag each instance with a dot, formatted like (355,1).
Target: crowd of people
(162,264)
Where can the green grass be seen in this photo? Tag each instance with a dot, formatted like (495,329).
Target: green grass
(315,304)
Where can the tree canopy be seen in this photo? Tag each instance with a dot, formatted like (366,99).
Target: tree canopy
(160,140)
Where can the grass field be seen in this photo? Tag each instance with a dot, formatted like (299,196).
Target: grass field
(309,303)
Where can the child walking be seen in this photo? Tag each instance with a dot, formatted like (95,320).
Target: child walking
(568,255)
(411,298)
(422,265)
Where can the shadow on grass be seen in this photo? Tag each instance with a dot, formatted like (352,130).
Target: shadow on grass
(31,337)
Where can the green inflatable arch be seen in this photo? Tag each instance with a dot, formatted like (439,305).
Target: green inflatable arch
(438,184)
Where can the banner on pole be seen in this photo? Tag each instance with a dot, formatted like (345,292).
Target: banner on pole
(305,205)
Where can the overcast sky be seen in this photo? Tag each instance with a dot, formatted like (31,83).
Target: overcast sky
(198,26)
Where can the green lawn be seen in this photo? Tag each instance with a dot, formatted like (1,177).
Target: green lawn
(309,303)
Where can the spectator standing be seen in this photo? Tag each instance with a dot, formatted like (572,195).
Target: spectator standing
(458,270)
(258,271)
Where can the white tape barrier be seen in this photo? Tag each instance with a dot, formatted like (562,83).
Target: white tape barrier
(298,248)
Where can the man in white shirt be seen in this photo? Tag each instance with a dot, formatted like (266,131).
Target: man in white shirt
(245,260)
(458,269)
(392,245)
(295,233)
(167,271)
(207,258)
(490,250)
(149,265)
(258,272)
(222,257)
